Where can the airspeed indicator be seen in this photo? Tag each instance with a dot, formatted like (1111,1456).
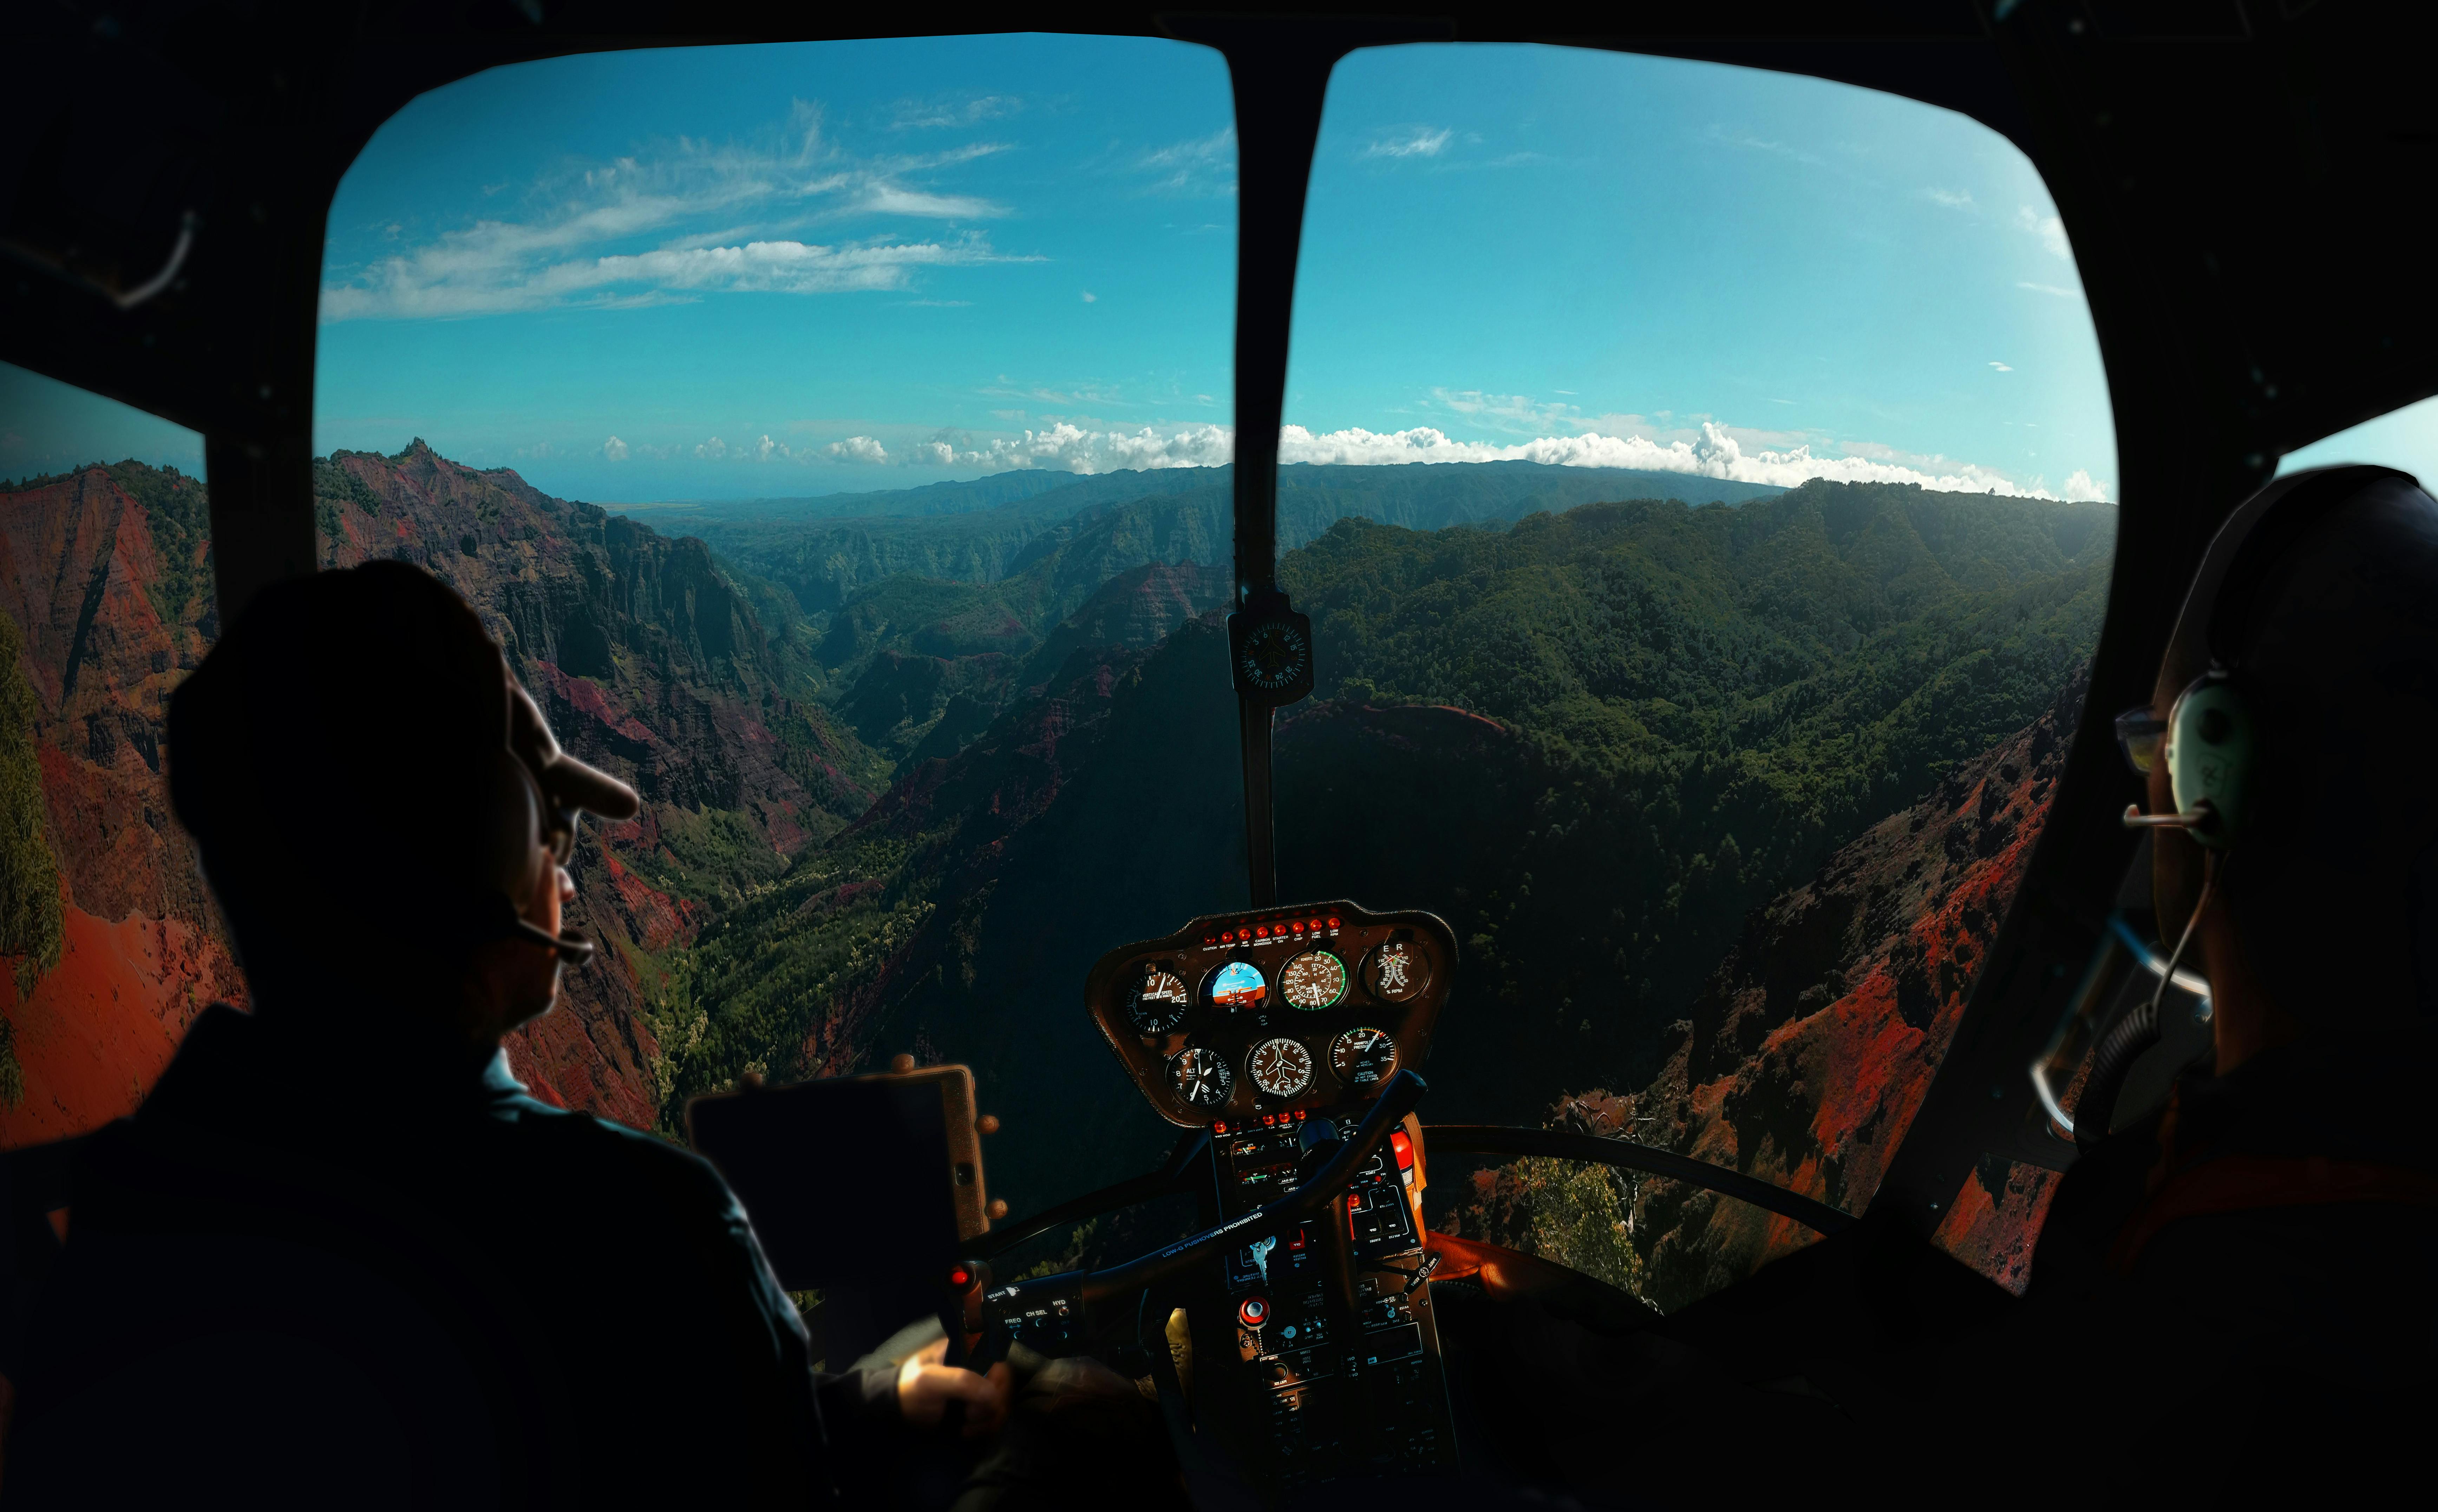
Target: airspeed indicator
(1315,979)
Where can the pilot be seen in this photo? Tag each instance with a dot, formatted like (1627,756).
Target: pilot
(341,1257)
(2251,1270)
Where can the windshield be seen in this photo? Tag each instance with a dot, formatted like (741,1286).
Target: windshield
(834,438)
(1716,697)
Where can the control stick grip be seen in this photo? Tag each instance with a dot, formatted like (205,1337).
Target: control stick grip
(1314,1200)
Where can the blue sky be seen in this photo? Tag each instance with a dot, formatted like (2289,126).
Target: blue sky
(724,272)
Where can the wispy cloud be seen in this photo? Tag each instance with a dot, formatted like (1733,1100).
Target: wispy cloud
(930,114)
(1409,141)
(579,244)
(1091,298)
(2000,366)
(1199,166)
(2049,228)
(1746,141)
(2050,289)
(1951,199)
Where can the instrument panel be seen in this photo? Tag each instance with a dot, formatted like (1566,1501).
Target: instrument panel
(1238,1017)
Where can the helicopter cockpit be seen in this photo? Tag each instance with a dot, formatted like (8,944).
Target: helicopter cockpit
(1438,684)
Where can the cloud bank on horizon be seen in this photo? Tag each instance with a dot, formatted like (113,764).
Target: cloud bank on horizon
(1714,453)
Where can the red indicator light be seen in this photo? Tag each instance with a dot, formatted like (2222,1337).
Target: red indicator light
(1269,1117)
(1403,1146)
(1316,923)
(1332,922)
(1299,1116)
(1230,935)
(1261,931)
(1209,938)
(961,1279)
(1297,926)
(1297,1243)
(1218,1128)
(1353,1204)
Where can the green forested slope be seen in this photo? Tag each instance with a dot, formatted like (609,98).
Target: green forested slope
(1693,708)
(1661,717)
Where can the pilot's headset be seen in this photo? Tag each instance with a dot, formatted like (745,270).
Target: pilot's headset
(537,799)
(2209,738)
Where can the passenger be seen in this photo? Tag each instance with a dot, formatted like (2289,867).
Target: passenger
(2245,1283)
(341,1258)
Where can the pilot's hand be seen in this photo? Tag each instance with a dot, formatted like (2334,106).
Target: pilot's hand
(925,1388)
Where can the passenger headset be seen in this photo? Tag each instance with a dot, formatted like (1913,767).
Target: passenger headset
(2210,750)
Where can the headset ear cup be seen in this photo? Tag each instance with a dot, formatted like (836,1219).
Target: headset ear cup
(2209,756)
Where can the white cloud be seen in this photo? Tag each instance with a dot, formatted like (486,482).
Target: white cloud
(1091,298)
(614,449)
(765,448)
(578,245)
(2050,289)
(2002,367)
(1410,141)
(2049,228)
(855,448)
(1951,199)
(712,451)
(1715,453)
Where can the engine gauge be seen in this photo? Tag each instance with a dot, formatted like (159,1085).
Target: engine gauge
(1282,1068)
(1201,1079)
(1362,1058)
(1239,985)
(1315,979)
(1397,971)
(1158,1001)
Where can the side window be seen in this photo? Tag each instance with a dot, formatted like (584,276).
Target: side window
(2406,439)
(1714,686)
(108,943)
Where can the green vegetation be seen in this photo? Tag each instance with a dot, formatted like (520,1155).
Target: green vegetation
(1668,715)
(1697,706)
(1579,1220)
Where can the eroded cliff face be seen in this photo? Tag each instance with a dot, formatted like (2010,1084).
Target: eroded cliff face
(649,664)
(645,660)
(105,573)
(1807,1053)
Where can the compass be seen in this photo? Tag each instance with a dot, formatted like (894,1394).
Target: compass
(1271,651)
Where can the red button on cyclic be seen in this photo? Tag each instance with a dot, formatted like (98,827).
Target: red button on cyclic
(1253,1311)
